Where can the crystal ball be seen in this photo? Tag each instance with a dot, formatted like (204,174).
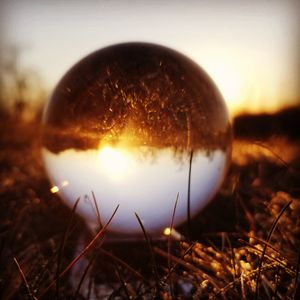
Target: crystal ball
(137,125)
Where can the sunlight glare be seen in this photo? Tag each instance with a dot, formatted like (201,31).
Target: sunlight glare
(65,183)
(230,79)
(115,162)
(174,233)
(167,231)
(54,189)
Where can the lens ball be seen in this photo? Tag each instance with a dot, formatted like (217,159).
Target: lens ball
(136,125)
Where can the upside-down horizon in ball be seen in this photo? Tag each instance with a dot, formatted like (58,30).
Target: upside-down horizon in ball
(123,124)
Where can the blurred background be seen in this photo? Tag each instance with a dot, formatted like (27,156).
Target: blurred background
(249,48)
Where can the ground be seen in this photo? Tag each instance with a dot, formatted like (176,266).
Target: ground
(244,245)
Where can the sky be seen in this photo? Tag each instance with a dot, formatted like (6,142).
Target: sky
(249,48)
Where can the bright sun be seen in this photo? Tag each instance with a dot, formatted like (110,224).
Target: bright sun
(115,162)
(230,79)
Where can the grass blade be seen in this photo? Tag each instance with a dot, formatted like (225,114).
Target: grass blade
(84,275)
(189,196)
(123,283)
(84,251)
(169,242)
(97,210)
(122,263)
(62,245)
(171,228)
(266,245)
(152,257)
(30,294)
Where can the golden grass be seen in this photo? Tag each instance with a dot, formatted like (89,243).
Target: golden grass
(244,245)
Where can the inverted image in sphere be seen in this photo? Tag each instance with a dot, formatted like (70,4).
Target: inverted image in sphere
(132,123)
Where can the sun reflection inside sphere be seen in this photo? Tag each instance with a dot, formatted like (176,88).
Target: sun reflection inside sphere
(115,162)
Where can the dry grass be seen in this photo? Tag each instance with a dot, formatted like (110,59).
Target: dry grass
(244,245)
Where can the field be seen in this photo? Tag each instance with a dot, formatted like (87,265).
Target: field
(244,245)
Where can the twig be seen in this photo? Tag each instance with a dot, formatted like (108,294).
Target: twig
(232,256)
(249,274)
(187,265)
(176,259)
(269,245)
(243,286)
(257,251)
(184,254)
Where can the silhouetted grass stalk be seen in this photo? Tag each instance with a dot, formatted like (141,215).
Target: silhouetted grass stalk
(266,245)
(152,257)
(30,294)
(189,196)
(84,251)
(62,245)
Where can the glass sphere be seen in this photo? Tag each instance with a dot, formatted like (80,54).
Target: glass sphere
(136,125)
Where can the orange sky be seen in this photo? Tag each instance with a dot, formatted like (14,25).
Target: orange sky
(250,49)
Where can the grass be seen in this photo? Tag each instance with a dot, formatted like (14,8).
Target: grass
(244,245)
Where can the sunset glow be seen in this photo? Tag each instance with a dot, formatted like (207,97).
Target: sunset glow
(249,49)
(230,81)
(115,162)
